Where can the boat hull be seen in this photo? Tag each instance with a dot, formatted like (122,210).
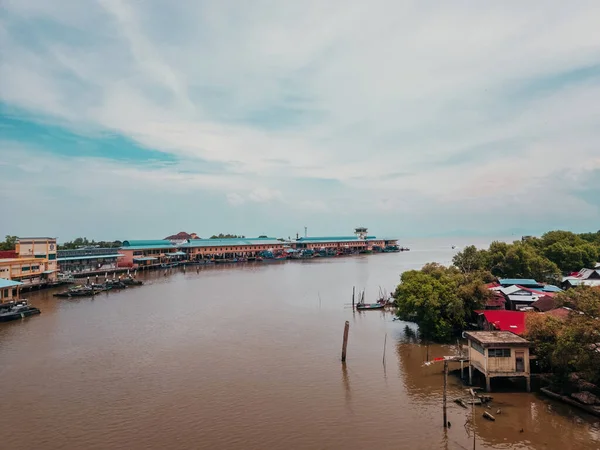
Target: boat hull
(369,306)
(7,317)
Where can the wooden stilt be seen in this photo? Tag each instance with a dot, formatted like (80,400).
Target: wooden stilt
(345,343)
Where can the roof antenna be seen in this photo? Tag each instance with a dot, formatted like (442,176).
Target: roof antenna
(305,231)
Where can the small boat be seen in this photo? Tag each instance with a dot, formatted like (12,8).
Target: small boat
(366,306)
(16,310)
(78,291)
(169,265)
(130,281)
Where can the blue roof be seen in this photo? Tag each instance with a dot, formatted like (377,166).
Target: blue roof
(74,258)
(4,283)
(322,239)
(230,242)
(519,281)
(161,243)
(551,288)
(145,258)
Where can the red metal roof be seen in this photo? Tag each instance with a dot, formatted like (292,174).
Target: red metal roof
(513,321)
(497,299)
(560,313)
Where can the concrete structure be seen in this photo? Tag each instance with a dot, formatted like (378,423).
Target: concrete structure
(199,249)
(35,262)
(89,259)
(145,252)
(498,354)
(9,290)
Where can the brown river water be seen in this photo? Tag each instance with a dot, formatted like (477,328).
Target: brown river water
(248,357)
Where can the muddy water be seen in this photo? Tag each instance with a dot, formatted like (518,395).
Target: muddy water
(247,357)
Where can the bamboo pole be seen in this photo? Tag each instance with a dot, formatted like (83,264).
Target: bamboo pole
(384,346)
(353,292)
(345,342)
(445,387)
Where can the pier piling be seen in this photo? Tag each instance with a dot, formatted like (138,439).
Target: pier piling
(345,343)
(384,345)
(353,293)
(445,387)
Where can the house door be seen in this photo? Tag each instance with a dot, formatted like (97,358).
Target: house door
(520,361)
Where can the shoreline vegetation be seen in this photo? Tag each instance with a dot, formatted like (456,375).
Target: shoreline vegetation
(442,301)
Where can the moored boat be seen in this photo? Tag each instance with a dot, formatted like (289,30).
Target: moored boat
(16,310)
(369,306)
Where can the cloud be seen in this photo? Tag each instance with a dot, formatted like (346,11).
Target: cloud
(264,195)
(417,116)
(235,199)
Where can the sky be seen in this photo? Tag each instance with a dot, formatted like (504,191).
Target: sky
(124,119)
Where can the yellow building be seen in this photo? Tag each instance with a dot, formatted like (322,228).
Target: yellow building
(498,354)
(35,262)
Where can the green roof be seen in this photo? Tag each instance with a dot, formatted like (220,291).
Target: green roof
(229,242)
(74,258)
(4,283)
(146,245)
(322,239)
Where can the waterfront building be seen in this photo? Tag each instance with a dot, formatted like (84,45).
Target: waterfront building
(34,262)
(498,354)
(88,259)
(144,253)
(361,242)
(230,248)
(9,290)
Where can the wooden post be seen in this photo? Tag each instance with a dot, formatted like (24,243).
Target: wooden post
(384,345)
(353,292)
(345,343)
(445,386)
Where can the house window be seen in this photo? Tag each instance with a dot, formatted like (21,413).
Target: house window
(499,352)
(477,347)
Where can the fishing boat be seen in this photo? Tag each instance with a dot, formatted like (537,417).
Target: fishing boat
(169,265)
(368,306)
(362,306)
(16,310)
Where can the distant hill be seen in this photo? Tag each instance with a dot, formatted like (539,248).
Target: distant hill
(182,235)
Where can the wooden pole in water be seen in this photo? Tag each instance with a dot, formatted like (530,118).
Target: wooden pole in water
(345,343)
(445,386)
(353,292)
(384,345)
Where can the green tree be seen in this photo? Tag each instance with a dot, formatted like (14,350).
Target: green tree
(565,347)
(469,260)
(439,300)
(9,243)
(522,261)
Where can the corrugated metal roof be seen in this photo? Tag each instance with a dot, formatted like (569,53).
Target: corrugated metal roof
(147,243)
(230,242)
(521,281)
(551,288)
(4,283)
(513,321)
(145,258)
(332,238)
(74,258)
